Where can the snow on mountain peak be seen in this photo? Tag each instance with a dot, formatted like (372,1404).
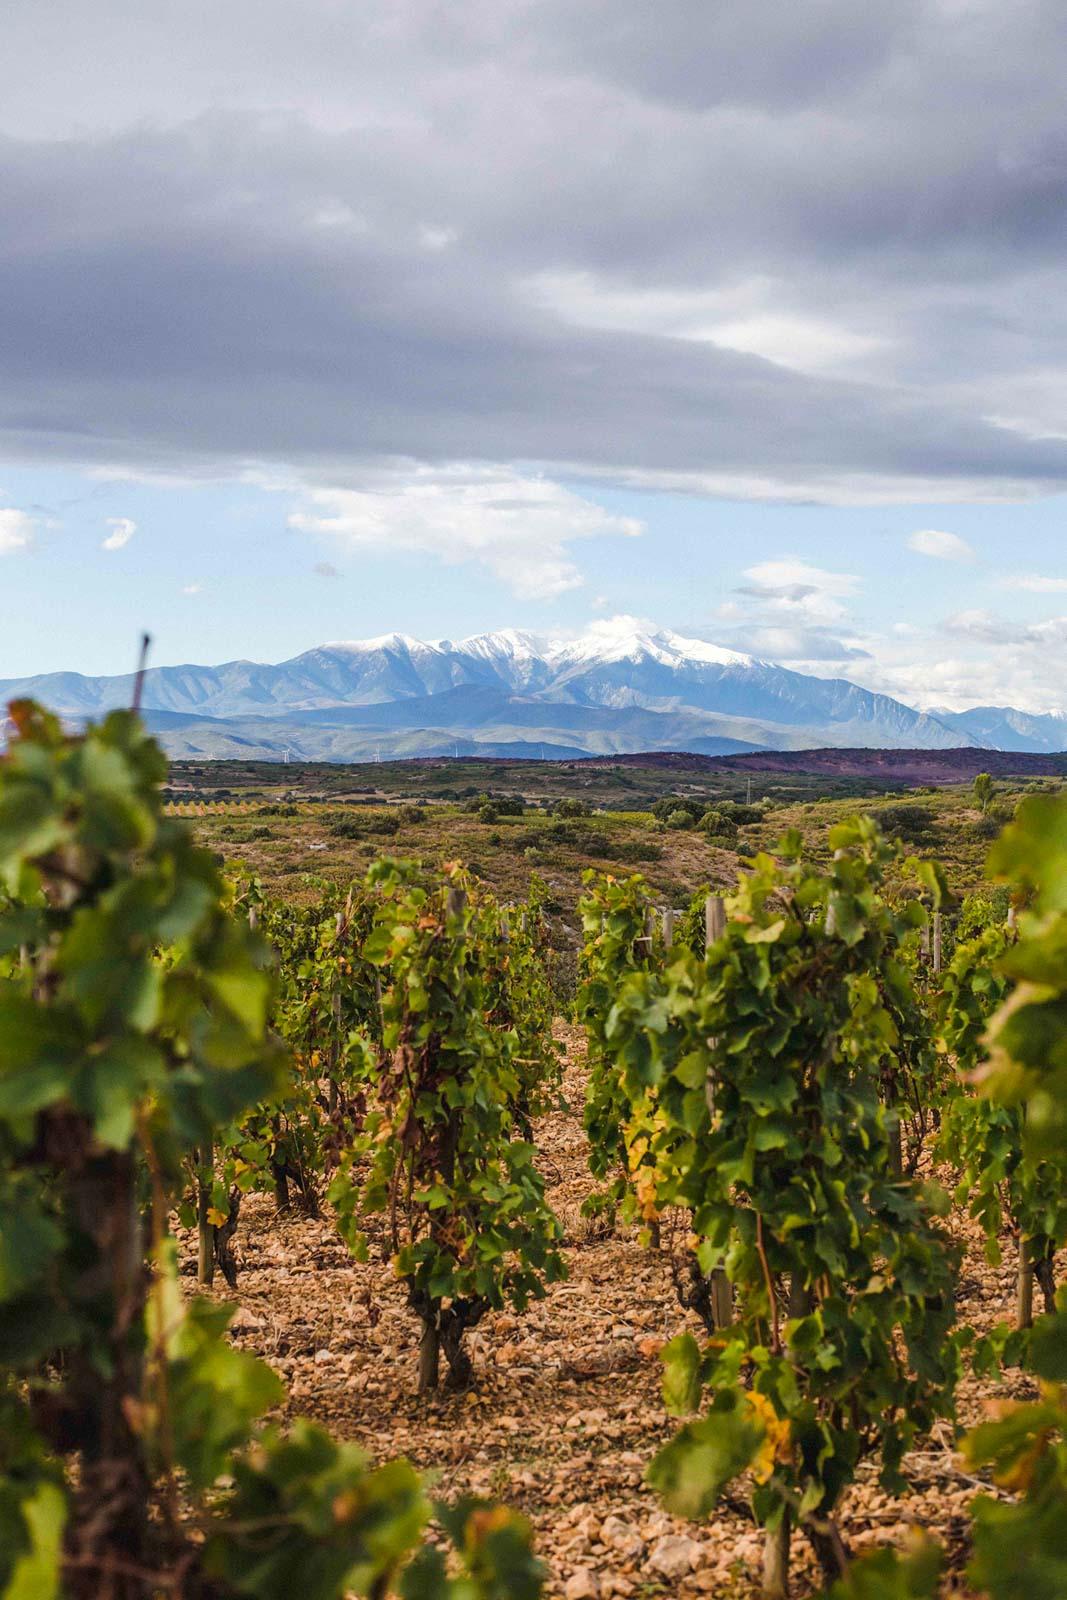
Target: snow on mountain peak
(701,650)
(513,643)
(383,641)
(611,640)
(631,639)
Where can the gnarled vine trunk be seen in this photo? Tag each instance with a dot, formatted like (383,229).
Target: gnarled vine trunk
(107,1536)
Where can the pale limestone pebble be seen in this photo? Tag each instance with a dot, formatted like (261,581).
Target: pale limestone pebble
(622,1537)
(582,1585)
(675,1556)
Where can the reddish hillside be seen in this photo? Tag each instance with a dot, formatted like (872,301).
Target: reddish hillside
(902,766)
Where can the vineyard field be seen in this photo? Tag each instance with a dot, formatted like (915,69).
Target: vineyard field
(405,1228)
(567,1410)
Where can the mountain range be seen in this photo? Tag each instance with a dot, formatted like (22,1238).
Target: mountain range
(513,694)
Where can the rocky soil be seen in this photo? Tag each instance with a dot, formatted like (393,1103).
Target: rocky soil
(566,1410)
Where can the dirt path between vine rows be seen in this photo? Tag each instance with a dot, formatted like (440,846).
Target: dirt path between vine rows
(566,1412)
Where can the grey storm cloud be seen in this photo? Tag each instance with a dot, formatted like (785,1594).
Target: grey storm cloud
(813,249)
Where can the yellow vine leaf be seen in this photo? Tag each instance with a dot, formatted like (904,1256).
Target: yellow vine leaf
(776,1448)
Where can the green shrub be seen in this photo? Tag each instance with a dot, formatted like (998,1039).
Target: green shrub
(635,851)
(673,805)
(912,824)
(571,808)
(719,826)
(346,828)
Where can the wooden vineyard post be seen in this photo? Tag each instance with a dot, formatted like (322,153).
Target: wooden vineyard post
(714,919)
(776,1543)
(937,941)
(722,1293)
(1024,1284)
(429,1352)
(668,917)
(457,900)
(1024,1280)
(335,1013)
(205,1232)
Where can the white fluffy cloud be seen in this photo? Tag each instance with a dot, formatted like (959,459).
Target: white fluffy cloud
(798,588)
(122,531)
(974,657)
(794,612)
(810,618)
(16,530)
(1035,583)
(519,527)
(941,545)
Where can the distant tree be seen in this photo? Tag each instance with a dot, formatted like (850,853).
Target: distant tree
(673,805)
(983,790)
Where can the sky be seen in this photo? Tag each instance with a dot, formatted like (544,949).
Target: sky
(320,321)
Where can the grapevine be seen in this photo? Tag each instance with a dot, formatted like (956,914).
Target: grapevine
(1020,1545)
(465,1221)
(133,1024)
(619,926)
(766,1064)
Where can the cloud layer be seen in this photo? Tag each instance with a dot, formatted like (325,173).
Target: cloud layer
(824,622)
(518,527)
(811,250)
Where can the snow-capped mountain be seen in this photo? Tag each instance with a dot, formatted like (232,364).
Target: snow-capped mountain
(1002,728)
(617,688)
